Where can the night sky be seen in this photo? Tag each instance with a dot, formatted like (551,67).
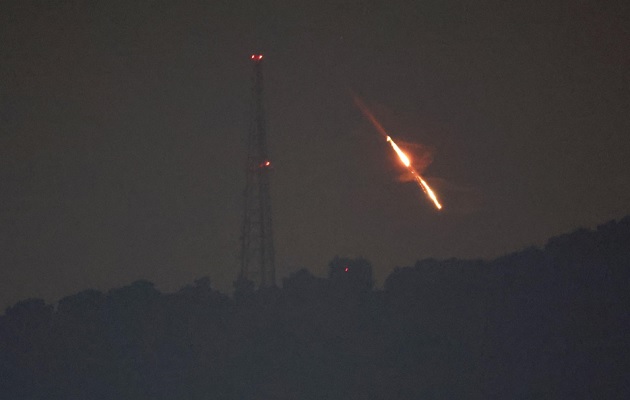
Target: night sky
(123,126)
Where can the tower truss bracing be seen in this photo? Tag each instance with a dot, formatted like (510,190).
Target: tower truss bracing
(257,252)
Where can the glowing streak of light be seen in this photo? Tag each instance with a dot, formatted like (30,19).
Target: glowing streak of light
(428,191)
(421,182)
(403,157)
(369,116)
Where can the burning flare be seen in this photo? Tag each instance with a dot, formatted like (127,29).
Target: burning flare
(401,154)
(403,157)
(421,182)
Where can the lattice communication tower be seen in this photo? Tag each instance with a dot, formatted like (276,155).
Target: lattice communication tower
(257,252)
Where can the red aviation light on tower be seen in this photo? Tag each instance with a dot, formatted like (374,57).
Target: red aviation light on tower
(256,57)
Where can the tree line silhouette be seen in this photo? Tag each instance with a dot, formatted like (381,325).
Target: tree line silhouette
(539,323)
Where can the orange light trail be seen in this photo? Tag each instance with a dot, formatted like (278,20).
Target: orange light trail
(403,157)
(428,191)
(401,154)
(421,182)
(366,112)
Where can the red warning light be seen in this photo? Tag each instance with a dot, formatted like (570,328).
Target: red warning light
(346,269)
(253,56)
(256,57)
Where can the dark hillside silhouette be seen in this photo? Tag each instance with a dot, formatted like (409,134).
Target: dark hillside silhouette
(539,323)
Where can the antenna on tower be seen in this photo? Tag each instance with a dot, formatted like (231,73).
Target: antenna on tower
(257,252)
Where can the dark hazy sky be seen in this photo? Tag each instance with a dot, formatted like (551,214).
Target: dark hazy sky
(123,123)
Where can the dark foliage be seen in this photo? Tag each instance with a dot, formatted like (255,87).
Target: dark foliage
(540,323)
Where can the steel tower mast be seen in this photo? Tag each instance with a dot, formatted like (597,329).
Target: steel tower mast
(257,252)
